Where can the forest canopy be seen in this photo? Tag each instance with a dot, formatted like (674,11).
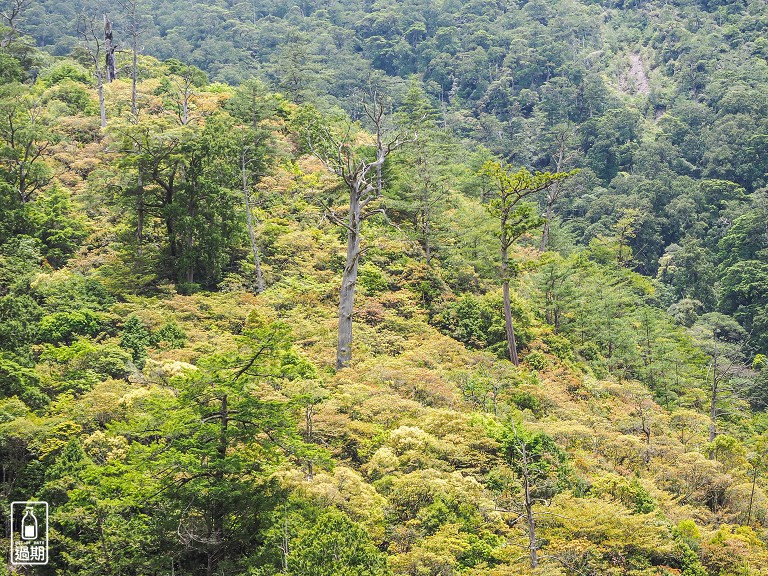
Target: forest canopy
(386,288)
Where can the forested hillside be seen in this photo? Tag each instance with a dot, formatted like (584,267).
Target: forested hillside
(386,288)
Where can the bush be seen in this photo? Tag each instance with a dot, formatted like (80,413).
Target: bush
(559,346)
(19,318)
(16,380)
(64,326)
(66,70)
(630,493)
(136,338)
(63,291)
(536,360)
(74,96)
(187,288)
(171,334)
(527,401)
(475,322)
(372,279)
(336,546)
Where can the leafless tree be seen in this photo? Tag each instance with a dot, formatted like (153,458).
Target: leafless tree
(361,173)
(86,28)
(185,84)
(133,26)
(10,18)
(557,190)
(109,50)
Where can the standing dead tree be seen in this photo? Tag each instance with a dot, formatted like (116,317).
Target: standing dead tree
(133,27)
(556,191)
(360,169)
(109,50)
(184,83)
(86,28)
(10,18)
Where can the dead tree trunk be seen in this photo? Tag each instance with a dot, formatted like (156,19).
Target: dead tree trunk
(555,191)
(87,30)
(349,279)
(130,10)
(109,50)
(362,177)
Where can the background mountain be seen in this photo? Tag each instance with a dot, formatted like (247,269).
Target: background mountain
(180,419)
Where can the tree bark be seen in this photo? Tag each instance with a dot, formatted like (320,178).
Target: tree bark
(134,66)
(509,327)
(140,222)
(349,281)
(752,497)
(553,193)
(545,232)
(109,50)
(102,106)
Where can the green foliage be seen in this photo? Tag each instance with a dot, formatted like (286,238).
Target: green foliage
(216,456)
(64,70)
(22,382)
(629,492)
(334,545)
(64,326)
(510,188)
(527,401)
(170,335)
(537,456)
(475,321)
(135,338)
(536,360)
(372,279)
(19,318)
(10,69)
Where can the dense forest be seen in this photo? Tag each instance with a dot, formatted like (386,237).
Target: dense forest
(357,288)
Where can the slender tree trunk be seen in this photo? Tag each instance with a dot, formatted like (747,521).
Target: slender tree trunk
(349,281)
(109,50)
(23,185)
(752,497)
(189,242)
(134,68)
(251,233)
(545,232)
(285,548)
(510,329)
(140,223)
(552,195)
(102,105)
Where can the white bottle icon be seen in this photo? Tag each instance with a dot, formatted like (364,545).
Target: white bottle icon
(29,525)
